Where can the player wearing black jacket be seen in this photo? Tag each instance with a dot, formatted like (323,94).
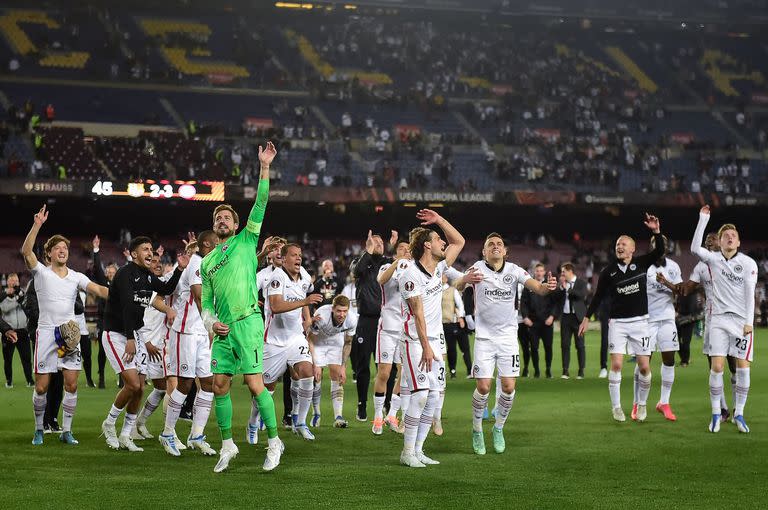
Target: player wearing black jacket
(130,293)
(625,281)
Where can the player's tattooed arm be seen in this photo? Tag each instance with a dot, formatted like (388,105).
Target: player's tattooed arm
(28,247)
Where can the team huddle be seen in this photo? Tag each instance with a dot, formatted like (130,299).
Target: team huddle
(200,325)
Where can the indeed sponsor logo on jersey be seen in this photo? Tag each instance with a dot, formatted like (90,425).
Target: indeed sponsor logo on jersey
(732,277)
(222,263)
(142,300)
(629,289)
(292,299)
(438,287)
(504,295)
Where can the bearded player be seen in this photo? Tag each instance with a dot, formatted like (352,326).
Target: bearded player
(230,312)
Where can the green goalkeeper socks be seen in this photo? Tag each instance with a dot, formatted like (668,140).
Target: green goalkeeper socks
(267,410)
(224,415)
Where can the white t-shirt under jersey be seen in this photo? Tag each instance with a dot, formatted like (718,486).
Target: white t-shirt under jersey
(283,327)
(391,302)
(495,313)
(55,295)
(661,304)
(325,330)
(188,318)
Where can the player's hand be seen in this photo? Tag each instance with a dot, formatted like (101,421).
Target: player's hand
(318,374)
(126,254)
(427,356)
(704,210)
(266,156)
(313,299)
(130,350)
(96,243)
(583,326)
(369,243)
(170,316)
(563,282)
(428,217)
(472,276)
(220,329)
(182,260)
(551,282)
(191,238)
(155,354)
(653,223)
(747,329)
(528,322)
(550,320)
(660,278)
(343,375)
(41,216)
(12,336)
(393,238)
(462,324)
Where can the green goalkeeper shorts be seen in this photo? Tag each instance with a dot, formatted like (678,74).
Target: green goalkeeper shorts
(241,351)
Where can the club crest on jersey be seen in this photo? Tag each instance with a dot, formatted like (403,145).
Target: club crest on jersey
(304,286)
(197,273)
(385,355)
(409,286)
(421,378)
(275,284)
(738,269)
(214,363)
(632,267)
(507,279)
(224,248)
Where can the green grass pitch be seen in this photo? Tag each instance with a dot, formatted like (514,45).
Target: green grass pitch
(563,451)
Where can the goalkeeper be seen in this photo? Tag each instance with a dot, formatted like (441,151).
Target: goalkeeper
(231,314)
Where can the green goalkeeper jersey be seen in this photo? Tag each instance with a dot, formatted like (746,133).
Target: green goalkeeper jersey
(228,273)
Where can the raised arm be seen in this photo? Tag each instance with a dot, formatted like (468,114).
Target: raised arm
(256,216)
(386,274)
(28,248)
(98,271)
(452,236)
(165,288)
(698,238)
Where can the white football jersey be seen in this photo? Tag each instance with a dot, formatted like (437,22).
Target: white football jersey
(733,280)
(350,290)
(495,313)
(188,318)
(282,327)
(326,330)
(56,296)
(154,329)
(391,302)
(416,281)
(263,277)
(661,304)
(701,275)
